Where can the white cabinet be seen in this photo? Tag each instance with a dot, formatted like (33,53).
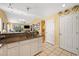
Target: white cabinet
(13,49)
(30,47)
(25,50)
(3,51)
(40,44)
(69,32)
(22,48)
(34,48)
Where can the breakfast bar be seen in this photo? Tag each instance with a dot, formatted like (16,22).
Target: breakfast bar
(15,44)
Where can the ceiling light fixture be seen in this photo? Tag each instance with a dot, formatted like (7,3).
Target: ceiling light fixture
(63,5)
(28,8)
(10,5)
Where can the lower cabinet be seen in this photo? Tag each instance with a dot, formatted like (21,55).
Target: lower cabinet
(25,50)
(13,51)
(3,51)
(40,44)
(22,48)
(34,48)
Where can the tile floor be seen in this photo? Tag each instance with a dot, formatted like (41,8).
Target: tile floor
(50,50)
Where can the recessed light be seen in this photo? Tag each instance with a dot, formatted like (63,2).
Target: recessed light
(10,5)
(63,5)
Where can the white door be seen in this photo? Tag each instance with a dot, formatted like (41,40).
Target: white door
(49,31)
(66,31)
(76,33)
(62,30)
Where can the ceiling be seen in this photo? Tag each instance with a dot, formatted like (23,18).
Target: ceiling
(26,12)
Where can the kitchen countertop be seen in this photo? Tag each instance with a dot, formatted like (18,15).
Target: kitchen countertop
(11,33)
(16,36)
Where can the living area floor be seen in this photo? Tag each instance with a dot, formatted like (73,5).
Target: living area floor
(50,50)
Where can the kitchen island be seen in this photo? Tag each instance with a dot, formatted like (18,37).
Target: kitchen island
(20,44)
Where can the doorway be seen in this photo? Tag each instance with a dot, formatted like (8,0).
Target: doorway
(49,31)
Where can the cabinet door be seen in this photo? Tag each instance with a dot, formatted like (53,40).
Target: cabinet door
(3,51)
(25,50)
(40,43)
(34,46)
(14,51)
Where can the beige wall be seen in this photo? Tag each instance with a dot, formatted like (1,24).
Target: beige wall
(3,16)
(54,17)
(56,33)
(4,20)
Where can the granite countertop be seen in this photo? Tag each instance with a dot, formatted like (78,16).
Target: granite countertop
(15,37)
(11,33)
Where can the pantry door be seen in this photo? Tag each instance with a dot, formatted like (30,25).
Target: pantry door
(66,33)
(49,31)
(76,33)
